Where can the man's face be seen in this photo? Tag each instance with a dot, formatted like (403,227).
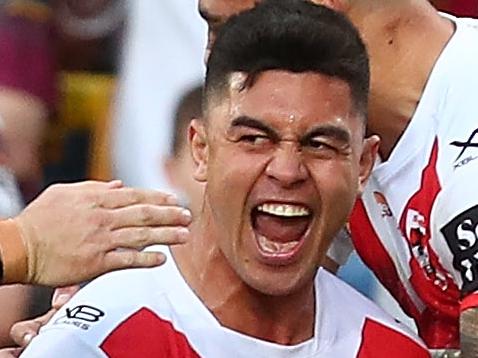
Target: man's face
(284,161)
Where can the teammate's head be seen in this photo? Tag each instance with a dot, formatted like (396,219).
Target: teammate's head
(178,164)
(281,147)
(216,12)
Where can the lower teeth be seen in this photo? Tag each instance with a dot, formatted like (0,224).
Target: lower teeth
(272,247)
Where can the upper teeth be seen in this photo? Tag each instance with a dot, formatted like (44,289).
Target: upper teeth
(286,210)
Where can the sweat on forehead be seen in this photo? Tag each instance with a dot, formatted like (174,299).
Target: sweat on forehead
(289,35)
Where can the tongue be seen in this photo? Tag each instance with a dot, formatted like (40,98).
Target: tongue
(280,229)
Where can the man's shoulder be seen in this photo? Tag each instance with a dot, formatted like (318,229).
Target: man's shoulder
(145,312)
(106,302)
(122,287)
(465,39)
(126,287)
(451,87)
(100,309)
(348,298)
(353,312)
(111,299)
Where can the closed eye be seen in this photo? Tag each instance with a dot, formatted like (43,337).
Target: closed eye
(256,139)
(327,139)
(317,144)
(251,132)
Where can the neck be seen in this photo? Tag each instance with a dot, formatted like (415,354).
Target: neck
(286,320)
(404,40)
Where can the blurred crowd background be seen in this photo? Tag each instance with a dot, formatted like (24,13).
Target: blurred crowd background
(105,89)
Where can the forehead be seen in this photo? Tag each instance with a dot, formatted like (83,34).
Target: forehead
(221,10)
(295,100)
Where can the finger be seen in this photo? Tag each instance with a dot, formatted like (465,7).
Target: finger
(115,184)
(62,295)
(122,197)
(10,352)
(23,332)
(139,238)
(120,259)
(149,215)
(86,185)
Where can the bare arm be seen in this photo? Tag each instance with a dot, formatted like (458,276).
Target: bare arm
(72,233)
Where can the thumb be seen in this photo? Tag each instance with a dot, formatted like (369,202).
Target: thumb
(62,295)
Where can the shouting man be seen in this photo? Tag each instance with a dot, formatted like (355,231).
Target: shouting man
(282,153)
(416,225)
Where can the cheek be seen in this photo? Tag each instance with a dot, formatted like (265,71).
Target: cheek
(233,167)
(336,183)
(232,175)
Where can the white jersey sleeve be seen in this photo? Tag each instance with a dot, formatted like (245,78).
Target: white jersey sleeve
(454,220)
(80,327)
(61,343)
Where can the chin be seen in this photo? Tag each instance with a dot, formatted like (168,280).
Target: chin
(278,284)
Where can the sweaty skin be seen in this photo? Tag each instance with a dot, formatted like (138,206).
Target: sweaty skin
(273,162)
(396,33)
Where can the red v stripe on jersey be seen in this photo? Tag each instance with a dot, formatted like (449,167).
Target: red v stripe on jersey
(435,287)
(144,334)
(436,320)
(421,203)
(373,253)
(381,341)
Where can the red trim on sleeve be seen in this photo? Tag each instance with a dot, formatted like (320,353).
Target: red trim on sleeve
(371,250)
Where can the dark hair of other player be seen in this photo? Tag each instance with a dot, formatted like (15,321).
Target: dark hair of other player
(188,107)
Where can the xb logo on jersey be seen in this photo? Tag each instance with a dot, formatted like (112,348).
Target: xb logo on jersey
(461,234)
(80,316)
(464,146)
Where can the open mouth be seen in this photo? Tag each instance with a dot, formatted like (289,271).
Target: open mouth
(280,229)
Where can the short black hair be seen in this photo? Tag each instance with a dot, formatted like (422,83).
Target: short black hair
(189,107)
(290,35)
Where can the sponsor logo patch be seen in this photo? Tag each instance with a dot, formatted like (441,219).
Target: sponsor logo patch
(461,235)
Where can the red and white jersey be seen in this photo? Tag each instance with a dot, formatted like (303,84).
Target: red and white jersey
(416,224)
(154,313)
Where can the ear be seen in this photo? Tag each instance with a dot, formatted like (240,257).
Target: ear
(199,149)
(367,160)
(337,5)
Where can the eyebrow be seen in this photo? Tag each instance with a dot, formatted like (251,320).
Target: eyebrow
(332,131)
(246,121)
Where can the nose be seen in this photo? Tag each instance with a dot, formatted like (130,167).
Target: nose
(286,166)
